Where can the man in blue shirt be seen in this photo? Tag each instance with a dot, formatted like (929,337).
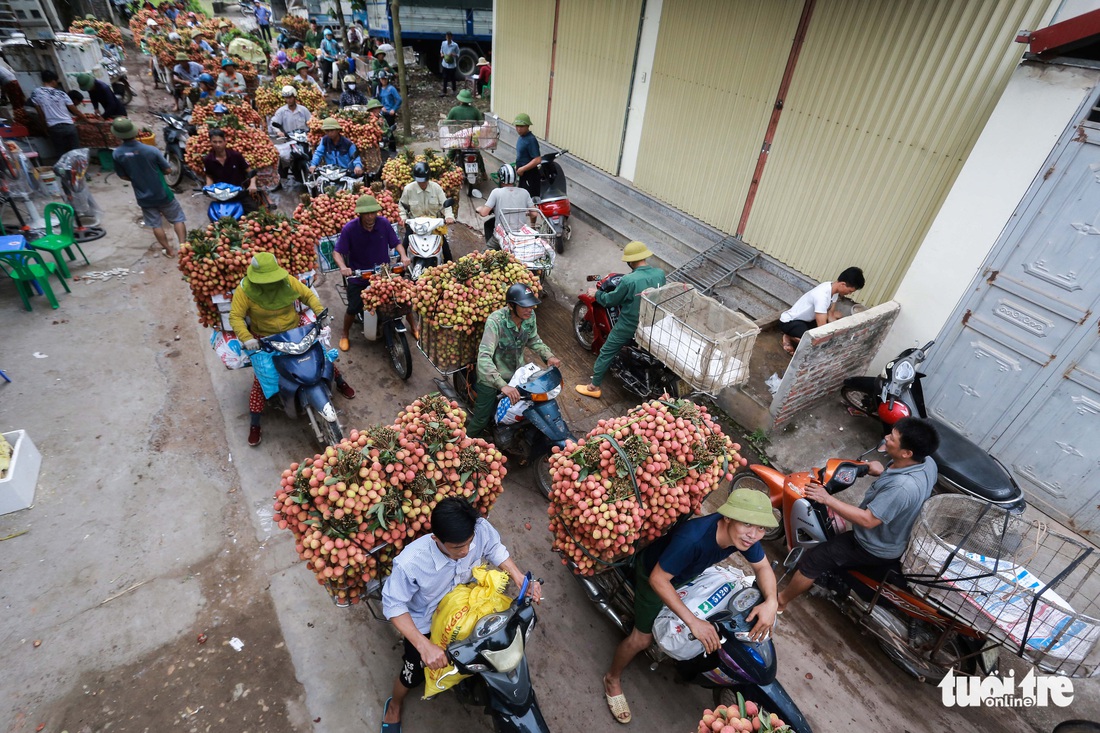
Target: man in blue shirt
(423,573)
(389,97)
(528,156)
(448,63)
(330,49)
(679,557)
(364,243)
(263,18)
(144,167)
(335,149)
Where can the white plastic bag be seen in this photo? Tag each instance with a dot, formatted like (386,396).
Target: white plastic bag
(704,597)
(507,413)
(229,350)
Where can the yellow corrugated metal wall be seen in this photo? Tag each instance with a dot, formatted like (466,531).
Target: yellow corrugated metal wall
(886,103)
(596,46)
(521,67)
(716,71)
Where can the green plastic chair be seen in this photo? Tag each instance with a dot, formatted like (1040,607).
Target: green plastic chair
(26,267)
(61,241)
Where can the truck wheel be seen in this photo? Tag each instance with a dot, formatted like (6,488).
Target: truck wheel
(467,61)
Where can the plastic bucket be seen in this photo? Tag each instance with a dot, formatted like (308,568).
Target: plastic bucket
(106,160)
(149,139)
(49,181)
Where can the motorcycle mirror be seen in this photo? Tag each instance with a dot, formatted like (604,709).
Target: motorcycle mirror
(448,202)
(476,194)
(276,125)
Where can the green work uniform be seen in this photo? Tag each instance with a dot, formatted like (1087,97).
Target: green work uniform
(498,358)
(463,112)
(625,296)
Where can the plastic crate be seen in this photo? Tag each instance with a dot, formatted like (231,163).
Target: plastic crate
(698,338)
(1021,584)
(18,485)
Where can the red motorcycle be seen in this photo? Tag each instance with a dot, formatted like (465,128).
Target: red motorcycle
(638,370)
(553,200)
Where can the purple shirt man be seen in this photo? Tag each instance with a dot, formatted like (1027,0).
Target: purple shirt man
(362,249)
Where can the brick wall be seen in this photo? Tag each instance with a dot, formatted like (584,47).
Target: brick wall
(827,355)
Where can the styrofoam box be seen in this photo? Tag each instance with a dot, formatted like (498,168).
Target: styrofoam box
(17,487)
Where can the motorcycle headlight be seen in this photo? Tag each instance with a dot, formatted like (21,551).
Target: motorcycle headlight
(294,349)
(903,371)
(506,660)
(422,229)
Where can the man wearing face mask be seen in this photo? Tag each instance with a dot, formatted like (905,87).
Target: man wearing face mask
(351,94)
(423,573)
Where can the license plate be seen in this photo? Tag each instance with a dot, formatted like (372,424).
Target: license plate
(471,167)
(555,220)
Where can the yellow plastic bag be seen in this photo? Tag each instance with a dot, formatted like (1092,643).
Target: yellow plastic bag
(456,616)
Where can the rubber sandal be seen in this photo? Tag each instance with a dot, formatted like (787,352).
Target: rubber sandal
(618,706)
(584,390)
(389,727)
(344,345)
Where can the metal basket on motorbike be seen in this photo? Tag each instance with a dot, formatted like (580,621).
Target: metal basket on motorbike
(267,178)
(447,349)
(1021,584)
(468,134)
(371,158)
(527,235)
(702,341)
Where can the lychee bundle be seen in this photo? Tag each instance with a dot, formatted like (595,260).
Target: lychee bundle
(632,477)
(353,507)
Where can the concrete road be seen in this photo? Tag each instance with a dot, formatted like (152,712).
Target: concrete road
(150,546)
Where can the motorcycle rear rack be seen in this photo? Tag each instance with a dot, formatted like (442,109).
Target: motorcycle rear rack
(716,266)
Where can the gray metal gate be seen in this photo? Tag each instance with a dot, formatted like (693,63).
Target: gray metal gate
(1017,368)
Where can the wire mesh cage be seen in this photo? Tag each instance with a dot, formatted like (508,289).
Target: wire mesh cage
(702,341)
(527,235)
(1033,590)
(468,134)
(325,261)
(449,349)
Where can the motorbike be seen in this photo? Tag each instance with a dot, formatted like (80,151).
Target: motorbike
(327,176)
(494,654)
(528,236)
(286,39)
(739,666)
(640,372)
(177,130)
(539,426)
(924,641)
(964,468)
(553,199)
(120,83)
(305,377)
(300,154)
(223,204)
(246,7)
(426,235)
(388,325)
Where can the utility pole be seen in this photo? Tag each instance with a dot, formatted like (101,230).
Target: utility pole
(406,117)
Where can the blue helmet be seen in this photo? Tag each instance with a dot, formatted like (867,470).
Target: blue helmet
(220,109)
(206,79)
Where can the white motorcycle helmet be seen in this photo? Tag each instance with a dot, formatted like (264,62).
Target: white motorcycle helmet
(507,175)
(288,91)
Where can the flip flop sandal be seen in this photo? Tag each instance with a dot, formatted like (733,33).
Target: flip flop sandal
(389,727)
(344,345)
(619,707)
(584,390)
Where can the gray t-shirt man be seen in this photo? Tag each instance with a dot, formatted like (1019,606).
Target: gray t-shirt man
(896,498)
(144,166)
(508,198)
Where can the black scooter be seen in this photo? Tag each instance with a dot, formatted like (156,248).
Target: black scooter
(553,200)
(494,654)
(964,468)
(739,666)
(177,130)
(300,154)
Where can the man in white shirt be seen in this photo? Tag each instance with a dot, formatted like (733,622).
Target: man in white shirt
(57,111)
(508,202)
(817,307)
(291,116)
(448,64)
